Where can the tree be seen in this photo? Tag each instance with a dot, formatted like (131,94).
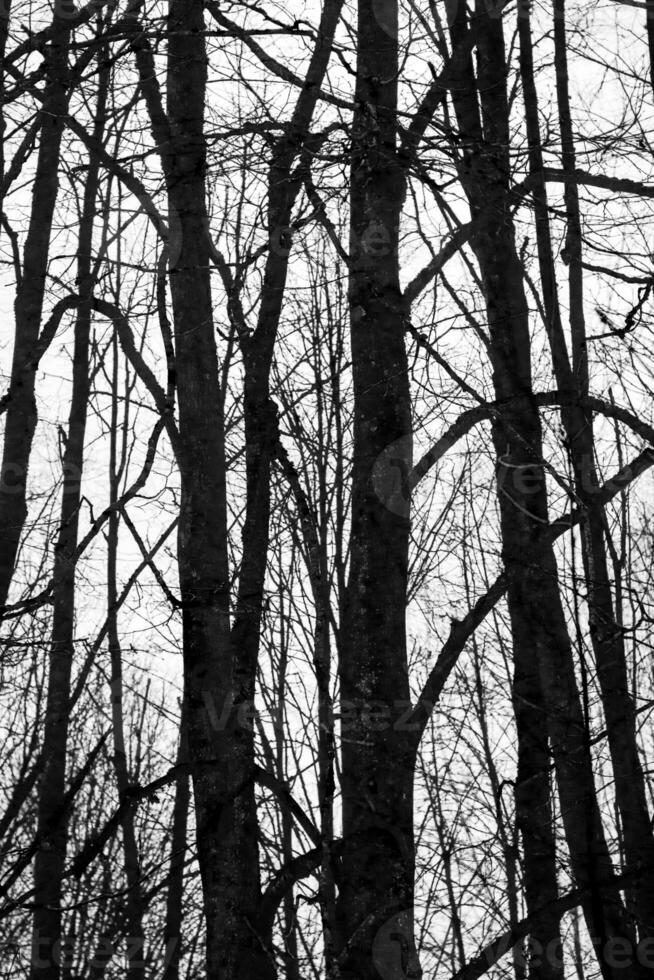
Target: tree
(354,299)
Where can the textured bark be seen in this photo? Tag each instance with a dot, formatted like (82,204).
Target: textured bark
(21,417)
(261,428)
(220,664)
(534,813)
(52,824)
(542,649)
(377,761)
(226,824)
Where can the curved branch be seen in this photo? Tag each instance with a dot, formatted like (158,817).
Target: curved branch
(481,413)
(287,802)
(161,400)
(293,871)
(494,950)
(46,337)
(462,630)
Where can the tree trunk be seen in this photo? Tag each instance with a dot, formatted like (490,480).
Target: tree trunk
(649,23)
(375,902)
(52,828)
(220,665)
(539,629)
(5,14)
(21,416)
(134,905)
(224,794)
(261,424)
(605,633)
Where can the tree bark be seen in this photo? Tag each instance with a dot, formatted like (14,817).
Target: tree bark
(226,823)
(649,24)
(291,157)
(605,633)
(540,636)
(21,416)
(5,13)
(52,830)
(375,901)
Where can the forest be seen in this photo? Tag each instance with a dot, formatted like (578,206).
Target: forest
(326,493)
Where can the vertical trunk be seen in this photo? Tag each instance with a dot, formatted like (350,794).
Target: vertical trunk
(649,21)
(542,649)
(261,428)
(375,903)
(326,753)
(134,905)
(318,577)
(533,813)
(606,635)
(5,13)
(534,808)
(52,829)
(225,815)
(21,416)
(229,852)
(175,893)
(291,965)
(532,790)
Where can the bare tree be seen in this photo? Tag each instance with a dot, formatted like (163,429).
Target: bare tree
(20,422)
(360,716)
(51,827)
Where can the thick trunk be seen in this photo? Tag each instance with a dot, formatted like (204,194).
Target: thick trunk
(534,813)
(326,753)
(52,828)
(222,679)
(290,924)
(224,801)
(21,416)
(375,902)
(542,650)
(532,792)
